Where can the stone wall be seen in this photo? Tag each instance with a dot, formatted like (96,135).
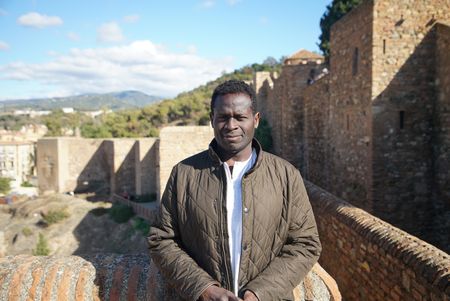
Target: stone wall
(441,139)
(178,143)
(350,134)
(97,165)
(317,166)
(372,260)
(112,277)
(404,96)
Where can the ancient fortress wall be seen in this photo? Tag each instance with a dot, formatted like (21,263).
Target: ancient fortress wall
(103,166)
(372,260)
(441,135)
(317,166)
(178,143)
(350,129)
(405,98)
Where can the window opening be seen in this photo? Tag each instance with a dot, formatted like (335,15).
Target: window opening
(355,61)
(402,119)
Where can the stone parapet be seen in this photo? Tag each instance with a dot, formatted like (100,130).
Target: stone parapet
(388,263)
(112,277)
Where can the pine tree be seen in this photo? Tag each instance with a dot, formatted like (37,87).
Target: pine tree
(335,11)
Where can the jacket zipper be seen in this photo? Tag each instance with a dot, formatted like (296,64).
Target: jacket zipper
(222,222)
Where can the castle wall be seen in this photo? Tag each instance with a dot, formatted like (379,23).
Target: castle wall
(350,106)
(97,165)
(317,150)
(404,92)
(47,165)
(176,144)
(372,260)
(126,165)
(441,142)
(148,169)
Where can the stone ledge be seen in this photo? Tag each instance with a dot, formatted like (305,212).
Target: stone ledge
(111,277)
(424,259)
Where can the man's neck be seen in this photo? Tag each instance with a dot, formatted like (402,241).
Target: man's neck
(239,157)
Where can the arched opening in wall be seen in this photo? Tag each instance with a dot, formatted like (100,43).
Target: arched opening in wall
(384,46)
(401,118)
(355,61)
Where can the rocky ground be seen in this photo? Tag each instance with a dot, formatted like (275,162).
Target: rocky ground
(87,229)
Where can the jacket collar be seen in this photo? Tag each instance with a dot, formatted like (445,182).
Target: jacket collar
(212,151)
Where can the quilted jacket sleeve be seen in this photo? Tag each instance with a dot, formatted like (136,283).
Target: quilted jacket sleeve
(178,268)
(299,253)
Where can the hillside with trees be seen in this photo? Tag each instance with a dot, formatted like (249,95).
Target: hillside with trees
(188,108)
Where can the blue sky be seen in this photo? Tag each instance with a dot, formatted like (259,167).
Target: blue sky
(51,48)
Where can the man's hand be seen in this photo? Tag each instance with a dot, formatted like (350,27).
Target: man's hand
(250,296)
(215,293)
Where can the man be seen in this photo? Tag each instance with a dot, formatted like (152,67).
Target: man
(235,221)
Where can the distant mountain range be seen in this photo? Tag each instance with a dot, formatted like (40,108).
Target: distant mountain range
(87,102)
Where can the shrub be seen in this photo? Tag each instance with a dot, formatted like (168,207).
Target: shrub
(26,184)
(55,216)
(27,231)
(5,185)
(121,213)
(42,248)
(141,224)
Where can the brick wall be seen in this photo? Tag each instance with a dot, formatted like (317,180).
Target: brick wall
(372,260)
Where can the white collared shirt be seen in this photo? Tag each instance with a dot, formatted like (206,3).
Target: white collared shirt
(234,212)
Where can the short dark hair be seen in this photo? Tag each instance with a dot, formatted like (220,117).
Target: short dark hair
(233,86)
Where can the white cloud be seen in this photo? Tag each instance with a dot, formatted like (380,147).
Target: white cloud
(4,46)
(208,3)
(131,18)
(39,21)
(73,36)
(141,65)
(110,33)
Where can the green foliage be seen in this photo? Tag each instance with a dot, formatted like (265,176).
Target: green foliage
(264,135)
(121,213)
(5,185)
(335,11)
(26,184)
(57,122)
(55,216)
(142,225)
(27,231)
(13,122)
(42,248)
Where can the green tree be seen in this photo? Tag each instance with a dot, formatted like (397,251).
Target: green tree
(335,11)
(5,185)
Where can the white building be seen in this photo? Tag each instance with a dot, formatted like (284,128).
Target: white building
(17,161)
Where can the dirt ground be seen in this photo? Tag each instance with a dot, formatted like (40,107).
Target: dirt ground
(88,229)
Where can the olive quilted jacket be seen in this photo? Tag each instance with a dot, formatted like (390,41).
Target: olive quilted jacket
(280,243)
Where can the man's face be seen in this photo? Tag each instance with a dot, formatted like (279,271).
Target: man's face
(234,123)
